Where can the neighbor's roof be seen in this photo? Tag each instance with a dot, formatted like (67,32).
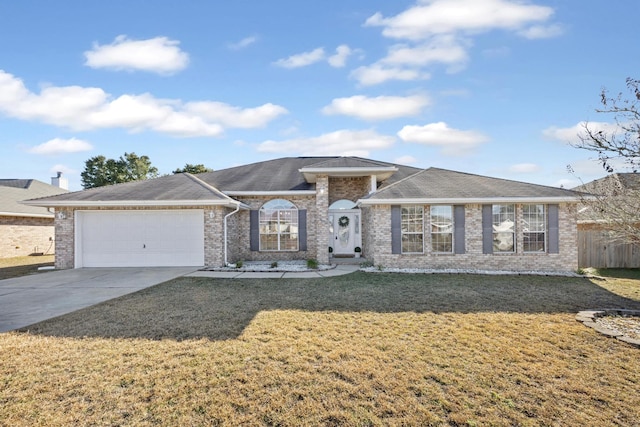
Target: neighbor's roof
(171,190)
(284,174)
(628,181)
(436,185)
(14,191)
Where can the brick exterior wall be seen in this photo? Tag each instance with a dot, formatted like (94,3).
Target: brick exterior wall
(348,188)
(322,218)
(239,231)
(65,238)
(22,236)
(378,237)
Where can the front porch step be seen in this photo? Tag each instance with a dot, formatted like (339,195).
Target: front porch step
(346,260)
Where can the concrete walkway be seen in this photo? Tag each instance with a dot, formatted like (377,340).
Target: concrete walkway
(30,299)
(340,270)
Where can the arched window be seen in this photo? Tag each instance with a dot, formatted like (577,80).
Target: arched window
(343,204)
(278,226)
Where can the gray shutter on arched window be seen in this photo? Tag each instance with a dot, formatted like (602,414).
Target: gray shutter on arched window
(396,229)
(254,230)
(458,233)
(487,229)
(302,230)
(554,229)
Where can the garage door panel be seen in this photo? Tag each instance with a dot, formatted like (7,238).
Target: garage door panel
(141,238)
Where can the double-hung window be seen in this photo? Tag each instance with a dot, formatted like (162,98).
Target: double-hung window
(504,228)
(278,226)
(412,226)
(534,228)
(441,220)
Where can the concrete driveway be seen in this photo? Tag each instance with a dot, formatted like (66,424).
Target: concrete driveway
(30,299)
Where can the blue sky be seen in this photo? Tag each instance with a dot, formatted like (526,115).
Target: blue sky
(493,87)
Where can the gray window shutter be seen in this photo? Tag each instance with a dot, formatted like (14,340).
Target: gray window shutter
(458,233)
(554,232)
(302,230)
(254,230)
(487,229)
(396,229)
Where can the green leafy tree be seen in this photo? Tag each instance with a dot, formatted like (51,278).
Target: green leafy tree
(100,171)
(193,169)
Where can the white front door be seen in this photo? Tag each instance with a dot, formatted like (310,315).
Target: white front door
(345,231)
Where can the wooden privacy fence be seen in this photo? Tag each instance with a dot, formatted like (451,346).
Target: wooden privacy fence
(596,250)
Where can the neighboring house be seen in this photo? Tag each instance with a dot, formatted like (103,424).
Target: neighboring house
(619,195)
(25,230)
(319,207)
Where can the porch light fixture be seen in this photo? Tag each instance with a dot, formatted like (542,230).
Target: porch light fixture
(62,215)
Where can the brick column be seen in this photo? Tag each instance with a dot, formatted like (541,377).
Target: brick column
(65,238)
(214,236)
(322,219)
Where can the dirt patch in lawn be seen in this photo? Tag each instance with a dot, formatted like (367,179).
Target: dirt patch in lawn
(23,266)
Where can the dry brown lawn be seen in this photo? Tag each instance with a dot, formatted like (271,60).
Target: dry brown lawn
(24,265)
(362,349)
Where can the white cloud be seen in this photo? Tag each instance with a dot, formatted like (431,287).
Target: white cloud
(442,49)
(439,32)
(338,143)
(245,42)
(61,146)
(405,160)
(524,168)
(340,58)
(429,18)
(236,117)
(452,141)
(158,55)
(376,73)
(571,135)
(542,31)
(378,108)
(84,109)
(302,59)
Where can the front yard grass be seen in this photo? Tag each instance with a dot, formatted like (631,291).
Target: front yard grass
(362,349)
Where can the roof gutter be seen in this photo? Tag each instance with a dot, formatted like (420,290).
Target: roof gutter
(26,215)
(127,203)
(463,201)
(271,193)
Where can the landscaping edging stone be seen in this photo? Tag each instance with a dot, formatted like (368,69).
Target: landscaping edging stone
(589,317)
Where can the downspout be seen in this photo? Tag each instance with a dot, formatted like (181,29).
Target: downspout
(225,232)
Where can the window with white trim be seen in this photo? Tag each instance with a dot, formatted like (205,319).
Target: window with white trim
(504,228)
(534,224)
(412,226)
(441,219)
(279,226)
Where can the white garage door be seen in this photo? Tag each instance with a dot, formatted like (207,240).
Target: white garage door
(140,238)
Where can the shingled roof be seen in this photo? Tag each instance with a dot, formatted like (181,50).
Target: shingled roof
(441,185)
(14,191)
(284,174)
(182,189)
